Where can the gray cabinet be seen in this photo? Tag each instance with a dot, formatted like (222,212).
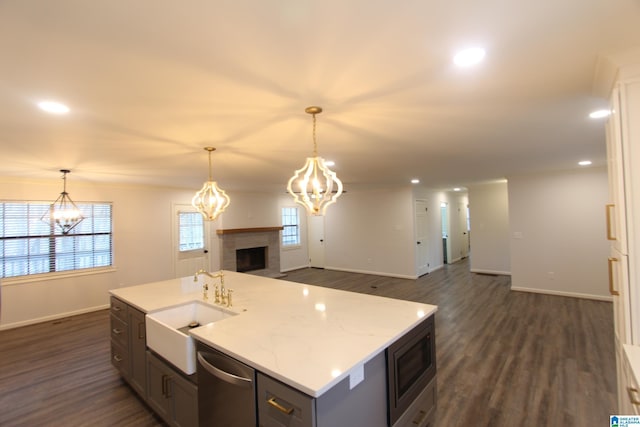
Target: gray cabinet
(170,395)
(137,350)
(280,405)
(364,405)
(422,411)
(128,344)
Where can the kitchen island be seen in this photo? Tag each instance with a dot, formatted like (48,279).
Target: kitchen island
(306,337)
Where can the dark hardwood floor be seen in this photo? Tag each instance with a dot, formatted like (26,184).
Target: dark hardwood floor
(504,358)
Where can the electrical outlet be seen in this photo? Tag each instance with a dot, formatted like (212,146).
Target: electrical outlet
(356,376)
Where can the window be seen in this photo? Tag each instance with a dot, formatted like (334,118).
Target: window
(191,226)
(291,227)
(29,245)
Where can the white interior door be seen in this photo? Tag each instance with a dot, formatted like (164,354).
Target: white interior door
(463,232)
(315,233)
(422,247)
(190,240)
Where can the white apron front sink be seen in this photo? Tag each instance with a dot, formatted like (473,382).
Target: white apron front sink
(168,331)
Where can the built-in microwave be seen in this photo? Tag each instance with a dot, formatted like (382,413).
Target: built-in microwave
(411,365)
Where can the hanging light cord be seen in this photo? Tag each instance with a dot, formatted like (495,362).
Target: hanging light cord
(64,181)
(209,149)
(315,144)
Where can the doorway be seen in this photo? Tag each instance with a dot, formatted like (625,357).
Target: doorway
(316,240)
(190,241)
(422,227)
(444,215)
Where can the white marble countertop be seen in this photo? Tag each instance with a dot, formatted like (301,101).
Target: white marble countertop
(308,337)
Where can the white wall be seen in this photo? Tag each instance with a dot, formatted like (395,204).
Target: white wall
(558,241)
(142,227)
(142,218)
(489,217)
(371,231)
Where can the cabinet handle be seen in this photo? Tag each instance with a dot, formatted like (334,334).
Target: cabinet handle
(279,407)
(632,392)
(164,385)
(610,262)
(419,421)
(117,331)
(141,330)
(116,308)
(168,387)
(117,358)
(608,208)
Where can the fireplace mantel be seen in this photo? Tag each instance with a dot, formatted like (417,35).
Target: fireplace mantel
(248,230)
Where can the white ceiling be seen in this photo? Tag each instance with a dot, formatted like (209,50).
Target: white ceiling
(152,82)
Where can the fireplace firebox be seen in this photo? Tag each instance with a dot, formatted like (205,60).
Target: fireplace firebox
(250,259)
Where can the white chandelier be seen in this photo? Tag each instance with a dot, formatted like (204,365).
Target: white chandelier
(315,186)
(63,212)
(210,201)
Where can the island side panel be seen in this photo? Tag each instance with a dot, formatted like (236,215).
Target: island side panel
(363,406)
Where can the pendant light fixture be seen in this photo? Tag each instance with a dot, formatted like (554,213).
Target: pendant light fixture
(210,201)
(63,212)
(315,186)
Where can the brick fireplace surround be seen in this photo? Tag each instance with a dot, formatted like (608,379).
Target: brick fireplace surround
(244,238)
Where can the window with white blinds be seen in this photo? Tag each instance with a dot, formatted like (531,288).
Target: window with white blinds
(191,231)
(29,245)
(291,227)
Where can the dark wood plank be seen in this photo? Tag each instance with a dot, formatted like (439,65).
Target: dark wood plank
(504,358)
(59,374)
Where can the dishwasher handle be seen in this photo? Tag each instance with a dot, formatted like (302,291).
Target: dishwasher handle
(222,374)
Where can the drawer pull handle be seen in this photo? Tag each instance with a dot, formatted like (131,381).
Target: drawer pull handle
(279,407)
(117,331)
(632,392)
(418,421)
(116,308)
(117,358)
(610,235)
(612,289)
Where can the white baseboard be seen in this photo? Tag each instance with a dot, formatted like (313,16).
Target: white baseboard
(52,317)
(374,273)
(497,272)
(563,293)
(294,268)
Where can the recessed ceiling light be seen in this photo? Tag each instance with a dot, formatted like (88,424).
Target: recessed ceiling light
(584,162)
(415,181)
(469,57)
(457,189)
(53,107)
(599,114)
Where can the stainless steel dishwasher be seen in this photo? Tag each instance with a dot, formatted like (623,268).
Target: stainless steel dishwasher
(226,390)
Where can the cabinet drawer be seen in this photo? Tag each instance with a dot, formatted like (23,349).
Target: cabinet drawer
(280,405)
(119,309)
(119,332)
(120,358)
(421,412)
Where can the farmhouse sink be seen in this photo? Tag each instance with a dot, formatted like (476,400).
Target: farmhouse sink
(168,331)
